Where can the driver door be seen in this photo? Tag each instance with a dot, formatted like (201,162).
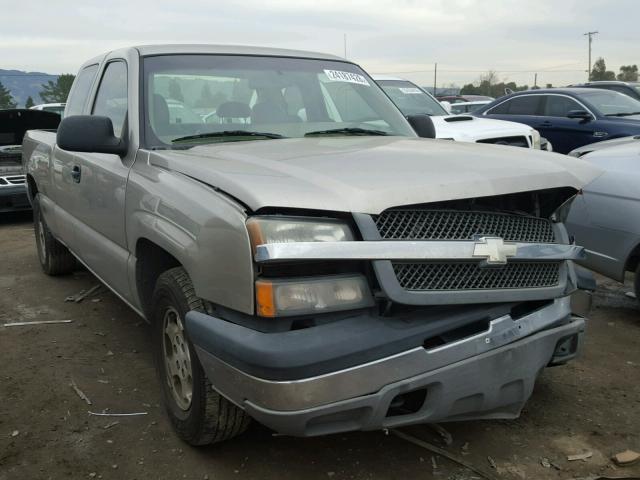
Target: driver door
(102,178)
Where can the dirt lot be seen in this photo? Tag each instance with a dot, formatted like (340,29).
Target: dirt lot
(46,432)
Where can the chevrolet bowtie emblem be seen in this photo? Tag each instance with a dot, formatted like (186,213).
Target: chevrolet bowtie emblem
(494,250)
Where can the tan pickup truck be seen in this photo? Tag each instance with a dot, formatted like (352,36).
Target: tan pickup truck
(304,258)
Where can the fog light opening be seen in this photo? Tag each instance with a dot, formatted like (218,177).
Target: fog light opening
(407,403)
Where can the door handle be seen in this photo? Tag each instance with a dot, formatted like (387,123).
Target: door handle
(76,174)
(545,124)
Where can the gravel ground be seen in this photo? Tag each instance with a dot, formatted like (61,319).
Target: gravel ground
(591,405)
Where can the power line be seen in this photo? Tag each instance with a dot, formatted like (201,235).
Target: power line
(482,71)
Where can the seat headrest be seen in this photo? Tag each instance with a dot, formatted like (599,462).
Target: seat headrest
(233,110)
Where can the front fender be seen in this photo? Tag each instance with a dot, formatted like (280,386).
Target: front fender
(203,229)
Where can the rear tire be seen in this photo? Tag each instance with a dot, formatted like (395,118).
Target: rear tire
(55,258)
(636,283)
(198,413)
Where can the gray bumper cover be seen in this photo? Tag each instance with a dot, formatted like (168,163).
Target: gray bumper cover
(490,375)
(492,385)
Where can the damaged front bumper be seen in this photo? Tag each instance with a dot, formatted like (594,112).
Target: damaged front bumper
(489,374)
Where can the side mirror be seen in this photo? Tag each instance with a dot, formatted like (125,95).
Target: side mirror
(579,114)
(423,125)
(89,133)
(446,105)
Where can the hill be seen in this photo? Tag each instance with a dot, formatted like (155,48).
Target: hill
(25,84)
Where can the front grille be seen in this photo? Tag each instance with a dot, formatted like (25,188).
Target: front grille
(416,224)
(472,276)
(12,180)
(516,141)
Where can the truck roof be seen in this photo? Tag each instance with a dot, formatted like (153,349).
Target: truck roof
(172,49)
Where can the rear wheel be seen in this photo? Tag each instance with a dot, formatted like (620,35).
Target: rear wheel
(55,258)
(199,414)
(636,283)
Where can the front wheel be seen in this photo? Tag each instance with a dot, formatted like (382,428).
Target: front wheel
(198,413)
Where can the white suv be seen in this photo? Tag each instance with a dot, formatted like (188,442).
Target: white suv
(412,100)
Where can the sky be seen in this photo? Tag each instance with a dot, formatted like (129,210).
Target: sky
(515,38)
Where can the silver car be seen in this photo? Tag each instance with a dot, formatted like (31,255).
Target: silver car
(605,219)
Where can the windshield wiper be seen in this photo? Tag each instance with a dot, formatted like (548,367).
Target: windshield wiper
(347,131)
(623,114)
(228,133)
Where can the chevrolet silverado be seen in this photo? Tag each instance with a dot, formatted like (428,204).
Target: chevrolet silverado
(303,257)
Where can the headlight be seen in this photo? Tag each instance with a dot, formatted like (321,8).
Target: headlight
(263,230)
(536,139)
(301,296)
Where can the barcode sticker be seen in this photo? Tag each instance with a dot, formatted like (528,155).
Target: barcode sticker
(339,76)
(410,90)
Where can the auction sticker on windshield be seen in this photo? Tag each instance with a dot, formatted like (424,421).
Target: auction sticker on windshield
(339,76)
(410,90)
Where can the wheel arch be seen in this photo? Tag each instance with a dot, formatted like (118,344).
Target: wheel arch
(633,260)
(32,188)
(151,261)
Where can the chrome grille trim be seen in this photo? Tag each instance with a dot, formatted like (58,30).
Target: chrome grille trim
(406,250)
(422,224)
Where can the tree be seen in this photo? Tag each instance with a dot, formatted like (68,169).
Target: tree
(628,73)
(488,84)
(6,100)
(59,91)
(29,103)
(600,72)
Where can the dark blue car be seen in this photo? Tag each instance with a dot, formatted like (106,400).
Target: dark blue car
(569,117)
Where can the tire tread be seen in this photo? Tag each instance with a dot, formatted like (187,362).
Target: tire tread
(222,419)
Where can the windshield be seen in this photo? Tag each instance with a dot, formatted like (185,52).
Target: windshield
(611,103)
(410,99)
(194,99)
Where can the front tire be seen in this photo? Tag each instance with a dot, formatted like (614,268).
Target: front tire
(198,413)
(55,258)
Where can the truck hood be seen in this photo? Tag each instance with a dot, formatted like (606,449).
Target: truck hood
(465,128)
(369,174)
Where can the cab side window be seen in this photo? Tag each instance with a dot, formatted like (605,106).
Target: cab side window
(111,100)
(560,106)
(82,86)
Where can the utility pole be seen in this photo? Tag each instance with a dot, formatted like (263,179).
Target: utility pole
(435,79)
(535,80)
(345,45)
(590,35)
